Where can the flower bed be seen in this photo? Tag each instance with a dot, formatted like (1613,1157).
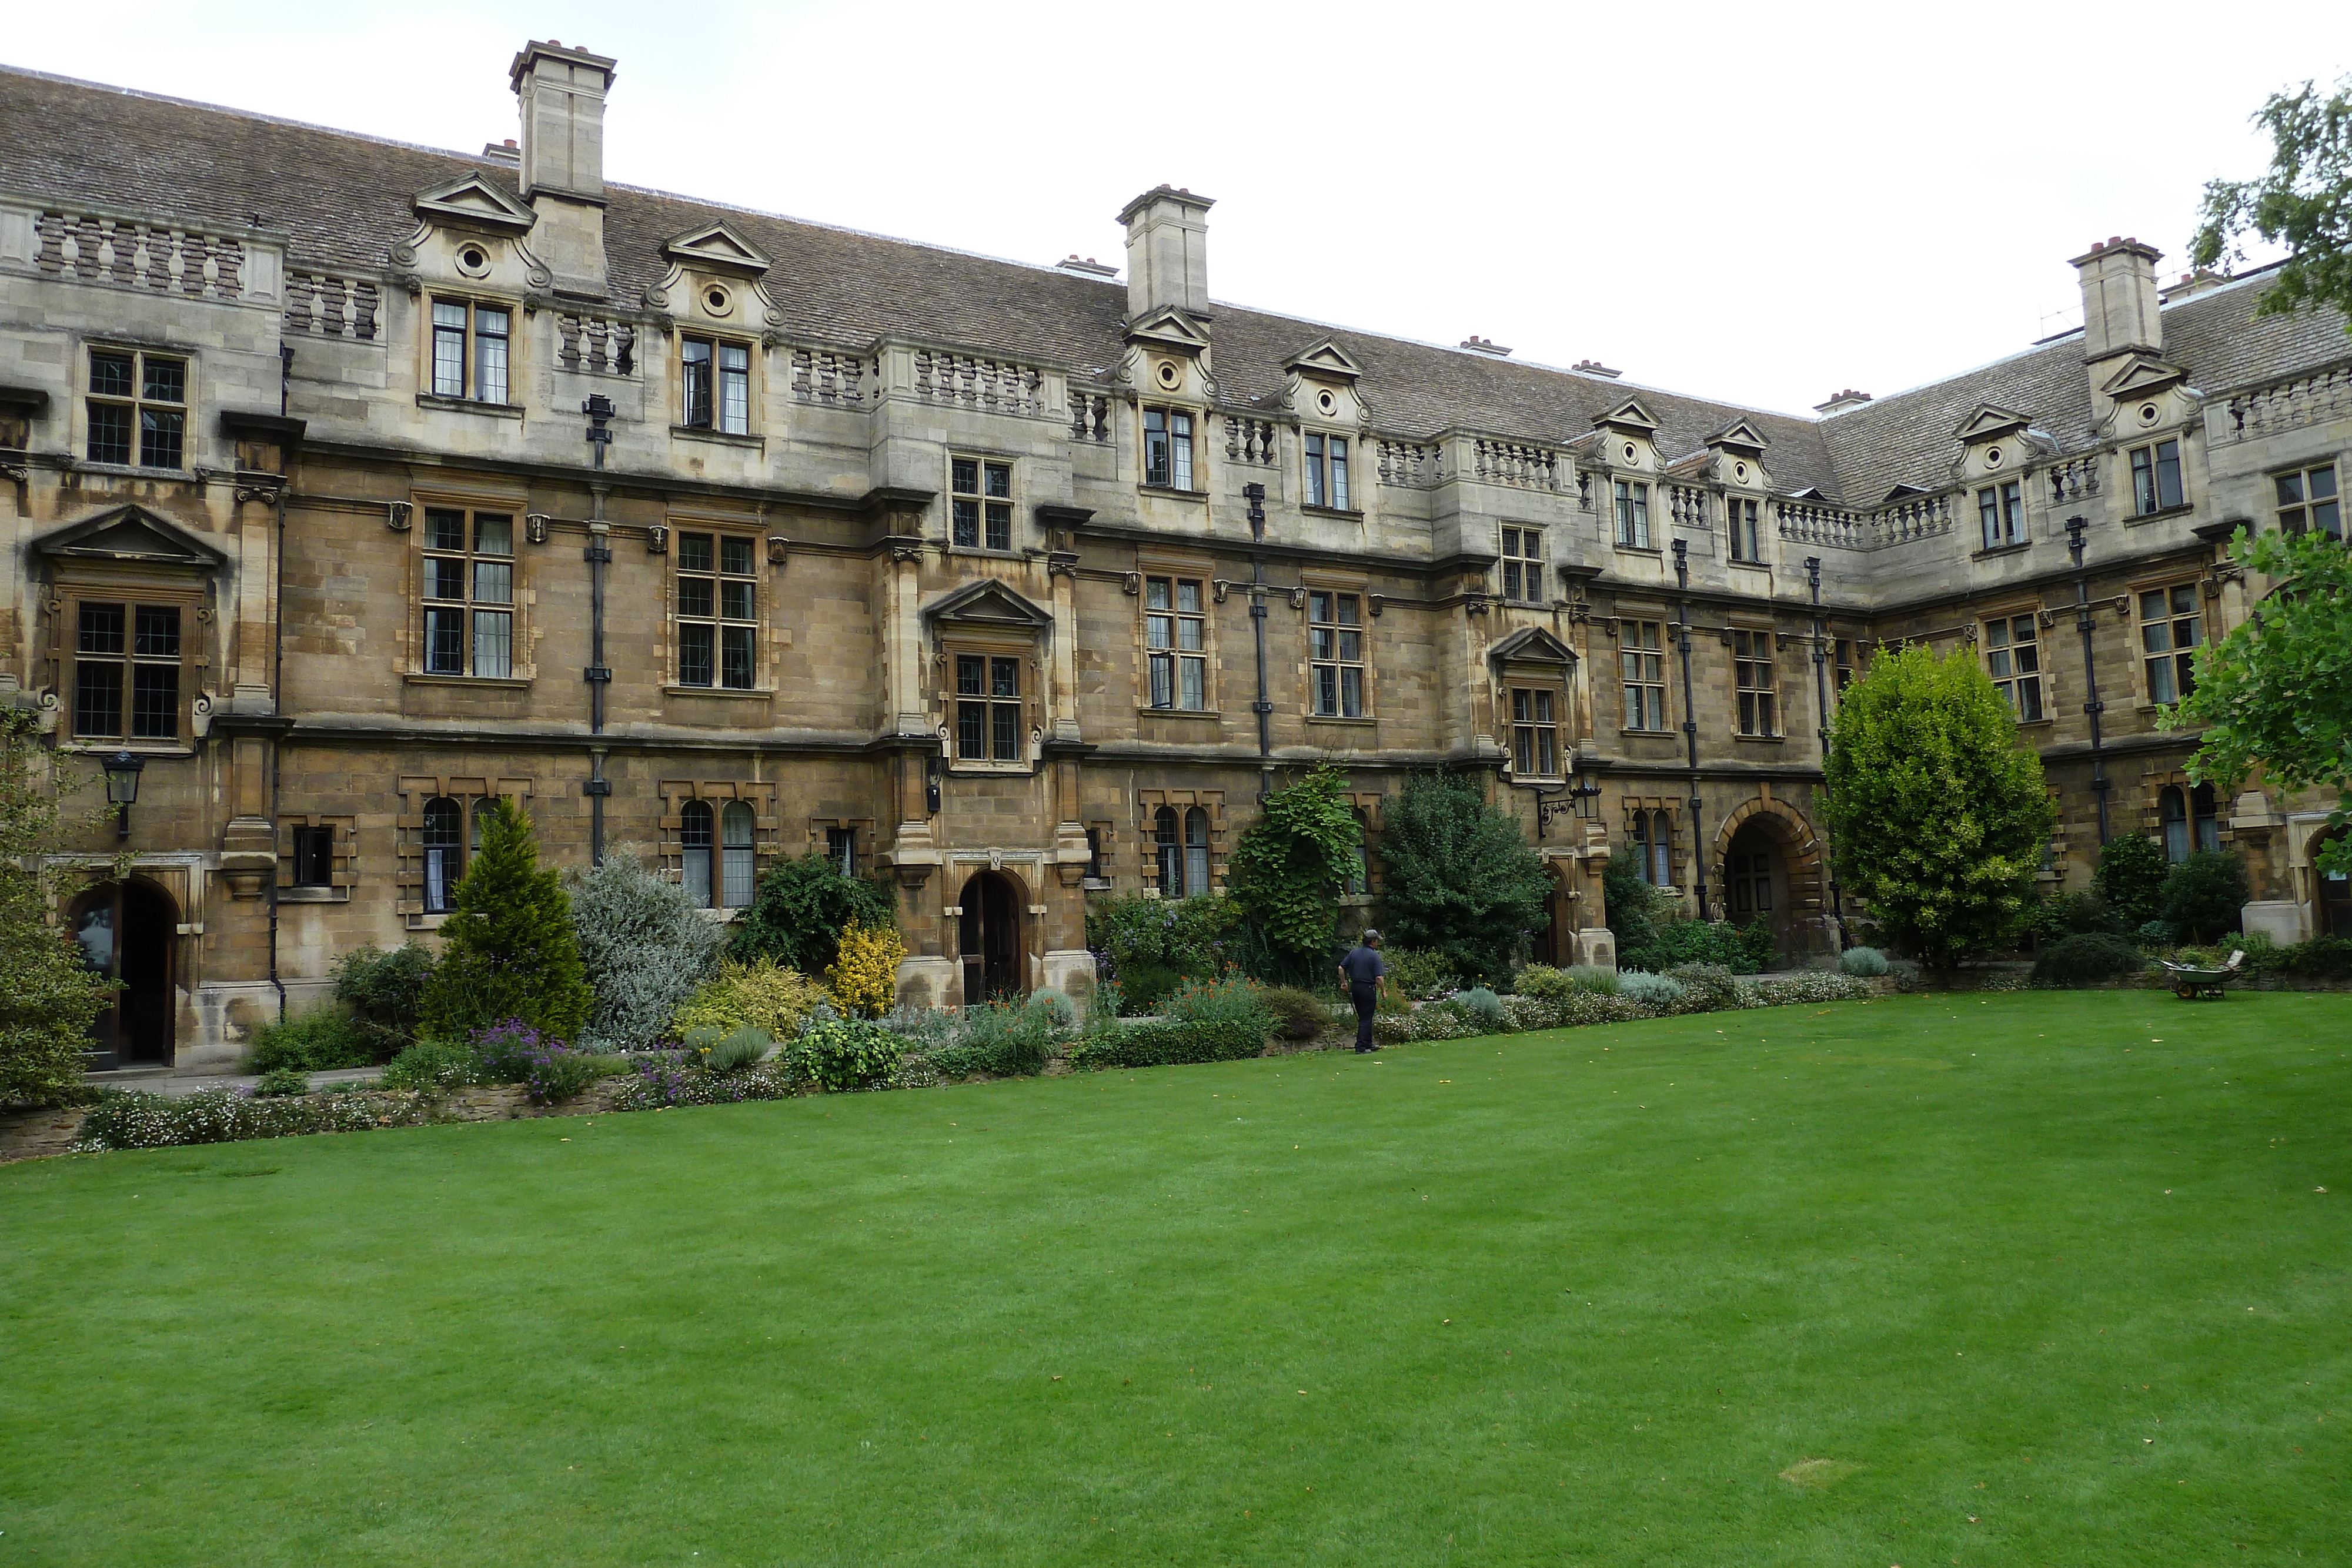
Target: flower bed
(134,1121)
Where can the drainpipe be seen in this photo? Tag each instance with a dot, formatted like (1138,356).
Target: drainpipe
(1255,493)
(2083,622)
(1822,709)
(598,674)
(1690,722)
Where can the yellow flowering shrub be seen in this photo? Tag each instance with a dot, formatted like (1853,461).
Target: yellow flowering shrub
(864,978)
(764,995)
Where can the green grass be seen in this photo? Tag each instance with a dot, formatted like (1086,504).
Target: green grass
(2042,1278)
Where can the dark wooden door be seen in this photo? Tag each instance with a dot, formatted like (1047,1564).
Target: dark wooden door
(127,932)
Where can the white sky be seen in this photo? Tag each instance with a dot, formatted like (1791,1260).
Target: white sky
(1762,203)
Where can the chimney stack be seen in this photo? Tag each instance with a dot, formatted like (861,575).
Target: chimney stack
(1166,252)
(1487,346)
(562,158)
(1838,401)
(2119,300)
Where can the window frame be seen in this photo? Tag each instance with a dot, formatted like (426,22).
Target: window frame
(133,598)
(138,404)
(1538,712)
(1758,697)
(2179,661)
(711,415)
(1631,513)
(2001,513)
(1334,660)
(473,362)
(2148,466)
(453,852)
(1740,519)
(469,605)
(1524,571)
(983,506)
(311,856)
(2005,659)
(1180,472)
(721,535)
(1173,656)
(1648,679)
(1330,483)
(2304,506)
(1018,708)
(1651,833)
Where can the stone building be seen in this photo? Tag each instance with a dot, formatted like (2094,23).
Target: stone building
(347,484)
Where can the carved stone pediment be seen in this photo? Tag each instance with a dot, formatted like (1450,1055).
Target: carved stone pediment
(471,201)
(719,248)
(130,535)
(989,603)
(1531,645)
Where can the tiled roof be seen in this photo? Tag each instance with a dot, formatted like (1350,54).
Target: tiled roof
(344,199)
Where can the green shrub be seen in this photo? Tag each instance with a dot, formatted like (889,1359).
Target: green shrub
(1718,942)
(1462,877)
(508,952)
(1576,1008)
(1420,972)
(725,1050)
(1635,912)
(1290,864)
(433,1066)
(1592,980)
(1542,982)
(49,997)
(384,992)
(319,1041)
(757,995)
(1811,985)
(128,1120)
(2205,894)
(2158,934)
(2321,959)
(1005,1039)
(2075,915)
(1866,963)
(1711,987)
(1154,944)
(1299,1015)
(1481,1007)
(802,908)
(666,1078)
(844,1054)
(283,1081)
(2129,878)
(1662,993)
(643,947)
(2091,955)
(1167,1043)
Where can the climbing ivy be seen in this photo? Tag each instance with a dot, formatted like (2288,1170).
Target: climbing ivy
(1293,861)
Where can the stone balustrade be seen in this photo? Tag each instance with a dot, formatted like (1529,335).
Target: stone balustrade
(1514,463)
(828,376)
(1916,518)
(1814,523)
(1089,416)
(996,386)
(600,345)
(1409,464)
(1249,440)
(2285,405)
(321,306)
(1686,507)
(2072,479)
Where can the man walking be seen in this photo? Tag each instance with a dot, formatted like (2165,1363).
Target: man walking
(1362,969)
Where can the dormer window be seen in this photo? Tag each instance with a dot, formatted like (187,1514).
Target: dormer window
(2156,478)
(138,408)
(2000,515)
(1740,518)
(1168,448)
(470,350)
(716,379)
(1632,514)
(1327,472)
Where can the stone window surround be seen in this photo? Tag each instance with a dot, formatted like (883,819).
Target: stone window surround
(719,524)
(343,858)
(754,392)
(517,351)
(2011,610)
(767,843)
(76,582)
(1149,564)
(1770,660)
(2141,693)
(414,790)
(954,639)
(1196,489)
(521,668)
(950,494)
(1148,803)
(1312,581)
(191,422)
(1677,839)
(1664,685)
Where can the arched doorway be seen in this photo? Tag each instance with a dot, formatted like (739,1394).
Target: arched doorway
(1772,867)
(127,932)
(2331,891)
(988,940)
(1756,878)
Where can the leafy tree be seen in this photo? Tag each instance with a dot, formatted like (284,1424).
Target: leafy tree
(49,997)
(1291,863)
(2129,879)
(1461,877)
(802,907)
(2303,202)
(2276,693)
(2205,895)
(1637,918)
(645,949)
(1938,816)
(508,951)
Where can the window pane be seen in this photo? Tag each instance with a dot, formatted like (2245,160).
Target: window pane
(2160,687)
(1350,610)
(1163,677)
(493,581)
(98,699)
(999,525)
(1008,731)
(1181,450)
(110,375)
(160,432)
(967,524)
(445,641)
(972,674)
(159,631)
(494,535)
(1158,630)
(694,596)
(1195,680)
(1352,646)
(155,702)
(736,558)
(1155,592)
(694,552)
(1351,692)
(1000,480)
(1188,633)
(491,354)
(449,356)
(109,432)
(697,875)
(1188,597)
(443,578)
(1339,473)
(100,630)
(1004,677)
(1196,871)
(735,600)
(695,645)
(736,646)
(966,476)
(444,531)
(1326,689)
(493,633)
(737,893)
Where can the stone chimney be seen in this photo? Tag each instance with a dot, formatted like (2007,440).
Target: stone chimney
(2119,301)
(1838,401)
(563,158)
(1166,252)
(1487,346)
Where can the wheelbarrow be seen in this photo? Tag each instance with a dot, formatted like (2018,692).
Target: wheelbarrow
(2194,982)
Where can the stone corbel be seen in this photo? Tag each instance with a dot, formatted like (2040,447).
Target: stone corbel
(1062,563)
(398,514)
(1131,583)
(657,539)
(779,550)
(534,527)
(22,473)
(906,555)
(247,871)
(411,282)
(200,715)
(1298,597)
(251,486)
(1475,603)
(1218,588)
(1379,602)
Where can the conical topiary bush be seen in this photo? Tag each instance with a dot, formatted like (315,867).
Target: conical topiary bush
(508,950)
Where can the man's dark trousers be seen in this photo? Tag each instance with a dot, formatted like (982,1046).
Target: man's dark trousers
(1367,1000)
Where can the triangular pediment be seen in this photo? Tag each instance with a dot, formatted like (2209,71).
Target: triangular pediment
(1902,492)
(1325,357)
(1532,645)
(2141,374)
(1988,422)
(1630,416)
(1739,435)
(717,244)
(1171,326)
(988,604)
(131,535)
(472,199)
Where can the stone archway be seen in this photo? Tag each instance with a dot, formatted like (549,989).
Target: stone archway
(992,944)
(1765,846)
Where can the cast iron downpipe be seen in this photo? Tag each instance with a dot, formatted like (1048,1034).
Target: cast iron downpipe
(1690,721)
(1262,707)
(1821,709)
(2083,622)
(599,555)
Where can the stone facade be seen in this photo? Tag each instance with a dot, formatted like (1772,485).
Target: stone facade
(973,572)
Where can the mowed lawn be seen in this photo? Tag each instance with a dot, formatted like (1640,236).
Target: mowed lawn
(2033,1279)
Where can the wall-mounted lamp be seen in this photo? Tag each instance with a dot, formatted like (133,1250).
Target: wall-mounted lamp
(123,771)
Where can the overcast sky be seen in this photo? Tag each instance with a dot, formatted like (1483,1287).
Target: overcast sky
(1762,203)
